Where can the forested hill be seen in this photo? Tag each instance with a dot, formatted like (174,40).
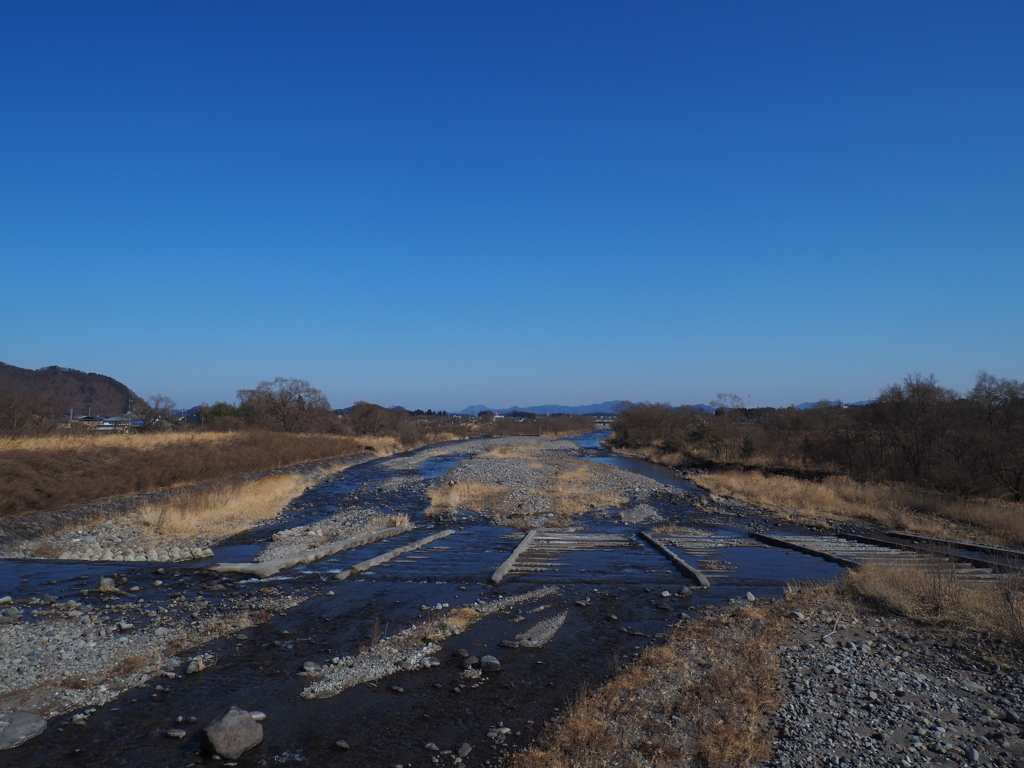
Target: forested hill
(64,389)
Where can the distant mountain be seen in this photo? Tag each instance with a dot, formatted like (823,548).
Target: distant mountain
(69,389)
(806,406)
(609,406)
(702,407)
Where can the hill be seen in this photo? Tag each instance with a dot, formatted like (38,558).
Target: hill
(609,406)
(65,389)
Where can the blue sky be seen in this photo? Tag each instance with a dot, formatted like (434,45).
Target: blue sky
(444,203)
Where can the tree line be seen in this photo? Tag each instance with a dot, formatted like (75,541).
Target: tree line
(914,432)
(287,405)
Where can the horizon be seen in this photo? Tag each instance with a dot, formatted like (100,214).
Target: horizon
(440,206)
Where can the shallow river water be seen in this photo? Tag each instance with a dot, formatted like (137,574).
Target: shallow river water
(617,599)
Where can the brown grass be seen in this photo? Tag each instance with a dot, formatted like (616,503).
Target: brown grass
(572,493)
(42,473)
(226,510)
(527,453)
(703,698)
(939,598)
(236,507)
(470,496)
(901,507)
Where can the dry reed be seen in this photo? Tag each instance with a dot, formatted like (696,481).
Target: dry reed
(703,698)
(937,596)
(897,506)
(573,493)
(42,473)
(225,510)
(469,496)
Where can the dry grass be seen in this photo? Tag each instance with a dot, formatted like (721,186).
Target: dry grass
(226,510)
(703,698)
(938,597)
(235,507)
(42,473)
(668,528)
(473,497)
(527,453)
(900,507)
(572,493)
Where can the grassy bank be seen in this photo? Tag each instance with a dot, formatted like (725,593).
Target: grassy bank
(52,472)
(832,499)
(937,598)
(702,698)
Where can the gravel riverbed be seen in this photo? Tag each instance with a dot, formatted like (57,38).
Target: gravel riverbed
(858,688)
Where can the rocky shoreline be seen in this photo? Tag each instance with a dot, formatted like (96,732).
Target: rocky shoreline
(858,688)
(863,690)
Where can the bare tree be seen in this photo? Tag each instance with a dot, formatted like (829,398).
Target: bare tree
(914,417)
(287,405)
(1000,433)
(161,404)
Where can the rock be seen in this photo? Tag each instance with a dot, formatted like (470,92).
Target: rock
(196,665)
(750,597)
(107,585)
(258,716)
(342,744)
(465,749)
(431,746)
(232,733)
(469,662)
(175,733)
(18,727)
(490,664)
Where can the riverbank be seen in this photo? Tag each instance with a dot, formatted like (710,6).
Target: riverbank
(816,678)
(39,474)
(742,672)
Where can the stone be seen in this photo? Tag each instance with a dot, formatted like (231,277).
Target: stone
(490,664)
(175,733)
(19,726)
(469,661)
(258,716)
(750,597)
(465,749)
(232,733)
(342,744)
(107,585)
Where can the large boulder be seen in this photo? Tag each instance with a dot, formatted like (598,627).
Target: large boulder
(232,733)
(18,727)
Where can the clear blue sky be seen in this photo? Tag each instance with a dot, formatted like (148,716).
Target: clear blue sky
(437,204)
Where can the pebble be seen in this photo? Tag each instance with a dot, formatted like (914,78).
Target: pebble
(917,703)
